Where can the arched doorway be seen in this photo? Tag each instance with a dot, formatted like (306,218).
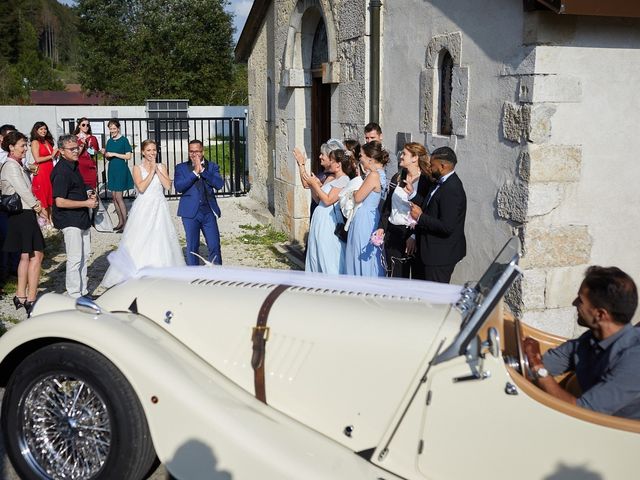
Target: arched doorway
(320,95)
(310,79)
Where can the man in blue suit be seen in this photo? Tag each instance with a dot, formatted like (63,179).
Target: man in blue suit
(196,181)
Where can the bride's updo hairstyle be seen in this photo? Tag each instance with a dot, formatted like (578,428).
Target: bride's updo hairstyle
(343,157)
(146,143)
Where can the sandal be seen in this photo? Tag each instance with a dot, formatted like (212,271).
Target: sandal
(28,306)
(19,302)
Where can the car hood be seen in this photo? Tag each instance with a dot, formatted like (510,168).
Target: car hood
(339,361)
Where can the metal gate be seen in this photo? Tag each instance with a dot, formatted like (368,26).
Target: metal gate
(224,140)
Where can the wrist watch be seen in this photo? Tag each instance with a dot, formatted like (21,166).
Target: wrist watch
(540,372)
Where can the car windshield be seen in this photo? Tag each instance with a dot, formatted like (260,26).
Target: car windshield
(477,302)
(510,254)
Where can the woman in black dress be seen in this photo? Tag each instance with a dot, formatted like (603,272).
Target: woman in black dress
(411,180)
(24,234)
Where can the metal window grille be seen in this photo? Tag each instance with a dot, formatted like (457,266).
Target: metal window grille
(173,115)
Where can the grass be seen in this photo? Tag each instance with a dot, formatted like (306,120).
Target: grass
(221,154)
(10,286)
(261,235)
(4,320)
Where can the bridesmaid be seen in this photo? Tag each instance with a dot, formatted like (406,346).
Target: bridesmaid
(118,151)
(325,252)
(361,256)
(88,149)
(43,151)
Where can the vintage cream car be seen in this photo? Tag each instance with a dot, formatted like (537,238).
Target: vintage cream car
(230,373)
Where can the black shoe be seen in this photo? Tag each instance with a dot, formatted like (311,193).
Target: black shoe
(28,306)
(18,304)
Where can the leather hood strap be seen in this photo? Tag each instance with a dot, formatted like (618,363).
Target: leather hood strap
(259,339)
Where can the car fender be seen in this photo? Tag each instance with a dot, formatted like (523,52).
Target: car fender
(202,424)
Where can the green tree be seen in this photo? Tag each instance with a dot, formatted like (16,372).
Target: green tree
(140,49)
(11,89)
(37,35)
(36,71)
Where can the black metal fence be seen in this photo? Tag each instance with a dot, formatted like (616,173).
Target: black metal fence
(224,140)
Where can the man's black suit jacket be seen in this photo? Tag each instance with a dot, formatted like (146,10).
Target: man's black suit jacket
(440,228)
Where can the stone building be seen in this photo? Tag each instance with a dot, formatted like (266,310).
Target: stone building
(537,97)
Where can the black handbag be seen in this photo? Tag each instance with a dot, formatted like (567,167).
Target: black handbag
(10,203)
(339,231)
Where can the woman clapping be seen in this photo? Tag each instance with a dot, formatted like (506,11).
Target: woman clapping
(150,238)
(325,252)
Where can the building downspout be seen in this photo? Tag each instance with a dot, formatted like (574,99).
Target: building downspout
(374,58)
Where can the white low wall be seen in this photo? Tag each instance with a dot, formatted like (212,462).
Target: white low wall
(23,117)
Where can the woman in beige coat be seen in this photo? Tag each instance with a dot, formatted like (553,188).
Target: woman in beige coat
(24,234)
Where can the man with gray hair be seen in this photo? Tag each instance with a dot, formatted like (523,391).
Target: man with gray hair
(71,214)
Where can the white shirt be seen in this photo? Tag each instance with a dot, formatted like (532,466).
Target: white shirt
(400,206)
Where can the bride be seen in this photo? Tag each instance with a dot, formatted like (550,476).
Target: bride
(149,238)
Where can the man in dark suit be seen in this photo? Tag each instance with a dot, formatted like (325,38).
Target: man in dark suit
(196,181)
(440,220)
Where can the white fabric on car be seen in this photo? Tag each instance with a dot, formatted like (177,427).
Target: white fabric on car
(436,293)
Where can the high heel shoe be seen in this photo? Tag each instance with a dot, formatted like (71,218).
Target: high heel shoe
(19,304)
(28,306)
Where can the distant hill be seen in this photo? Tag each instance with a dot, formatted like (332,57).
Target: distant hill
(54,24)
(40,46)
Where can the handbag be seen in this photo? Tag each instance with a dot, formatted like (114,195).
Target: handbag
(10,203)
(101,219)
(339,231)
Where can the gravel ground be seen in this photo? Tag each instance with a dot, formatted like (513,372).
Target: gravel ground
(245,236)
(246,239)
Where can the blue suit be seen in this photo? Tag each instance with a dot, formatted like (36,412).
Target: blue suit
(199,208)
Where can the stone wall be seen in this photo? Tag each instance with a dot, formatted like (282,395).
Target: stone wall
(564,122)
(259,149)
(279,53)
(545,122)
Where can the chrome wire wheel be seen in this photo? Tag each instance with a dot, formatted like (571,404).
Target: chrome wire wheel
(66,429)
(69,413)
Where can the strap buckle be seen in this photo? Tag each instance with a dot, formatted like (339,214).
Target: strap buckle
(263,330)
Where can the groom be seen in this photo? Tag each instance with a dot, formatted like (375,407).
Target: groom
(196,181)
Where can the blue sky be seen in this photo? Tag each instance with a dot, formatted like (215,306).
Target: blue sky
(239,7)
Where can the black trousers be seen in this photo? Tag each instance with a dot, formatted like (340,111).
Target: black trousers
(395,244)
(435,273)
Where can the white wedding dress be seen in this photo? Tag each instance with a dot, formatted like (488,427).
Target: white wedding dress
(149,239)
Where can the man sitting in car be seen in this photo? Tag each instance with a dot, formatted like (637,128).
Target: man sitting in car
(606,358)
